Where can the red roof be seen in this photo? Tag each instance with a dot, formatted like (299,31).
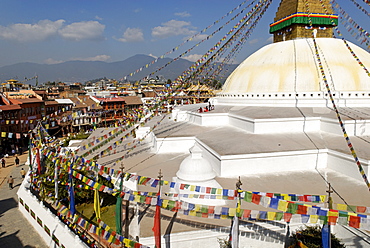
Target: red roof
(26,100)
(10,107)
(110,99)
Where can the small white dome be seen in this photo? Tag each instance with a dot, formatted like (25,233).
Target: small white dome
(195,168)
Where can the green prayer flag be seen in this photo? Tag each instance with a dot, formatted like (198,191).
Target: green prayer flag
(324,219)
(248,197)
(292,208)
(279,215)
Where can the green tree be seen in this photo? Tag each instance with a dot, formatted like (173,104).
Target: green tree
(310,236)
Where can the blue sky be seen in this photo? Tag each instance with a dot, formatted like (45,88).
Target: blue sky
(51,31)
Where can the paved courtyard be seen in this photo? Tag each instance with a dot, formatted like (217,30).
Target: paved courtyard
(15,231)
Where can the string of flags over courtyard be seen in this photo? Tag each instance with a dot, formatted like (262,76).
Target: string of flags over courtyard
(285,206)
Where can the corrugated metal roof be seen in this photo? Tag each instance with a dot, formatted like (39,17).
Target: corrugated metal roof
(64,101)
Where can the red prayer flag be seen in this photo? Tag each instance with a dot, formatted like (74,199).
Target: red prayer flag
(302,209)
(208,190)
(157,226)
(38,161)
(361,209)
(332,220)
(354,221)
(287,217)
(246,214)
(256,199)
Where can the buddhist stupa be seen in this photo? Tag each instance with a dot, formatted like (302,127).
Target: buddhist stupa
(273,125)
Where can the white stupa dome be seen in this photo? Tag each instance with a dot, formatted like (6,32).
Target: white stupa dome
(195,168)
(291,66)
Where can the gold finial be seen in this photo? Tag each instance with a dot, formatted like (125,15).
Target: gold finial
(160,175)
(238,184)
(122,168)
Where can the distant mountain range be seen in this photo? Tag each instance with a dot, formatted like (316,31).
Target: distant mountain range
(82,71)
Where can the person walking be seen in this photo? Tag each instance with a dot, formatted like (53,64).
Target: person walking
(10,182)
(23,173)
(16,160)
(3,162)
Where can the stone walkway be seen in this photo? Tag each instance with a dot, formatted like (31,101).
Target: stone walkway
(15,230)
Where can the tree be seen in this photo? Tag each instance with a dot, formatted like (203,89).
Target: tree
(310,236)
(224,243)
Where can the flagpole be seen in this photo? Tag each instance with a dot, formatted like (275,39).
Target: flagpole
(157,217)
(119,228)
(127,209)
(56,182)
(330,205)
(160,176)
(235,223)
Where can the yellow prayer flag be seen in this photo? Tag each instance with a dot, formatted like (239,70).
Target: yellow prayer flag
(271,215)
(192,213)
(232,211)
(322,198)
(286,197)
(218,191)
(3,134)
(313,219)
(197,207)
(137,198)
(164,203)
(341,207)
(97,204)
(192,187)
(110,238)
(332,213)
(282,206)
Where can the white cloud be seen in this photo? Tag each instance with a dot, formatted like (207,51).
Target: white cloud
(183,14)
(96,58)
(173,28)
(77,31)
(51,61)
(270,39)
(254,41)
(132,35)
(151,55)
(137,10)
(193,57)
(31,32)
(98,18)
(199,37)
(44,29)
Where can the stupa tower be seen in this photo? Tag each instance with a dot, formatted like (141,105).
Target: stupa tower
(292,20)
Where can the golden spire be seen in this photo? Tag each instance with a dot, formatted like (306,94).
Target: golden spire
(292,20)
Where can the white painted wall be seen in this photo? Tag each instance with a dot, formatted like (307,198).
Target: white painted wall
(56,227)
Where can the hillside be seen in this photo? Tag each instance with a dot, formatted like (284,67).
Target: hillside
(82,71)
